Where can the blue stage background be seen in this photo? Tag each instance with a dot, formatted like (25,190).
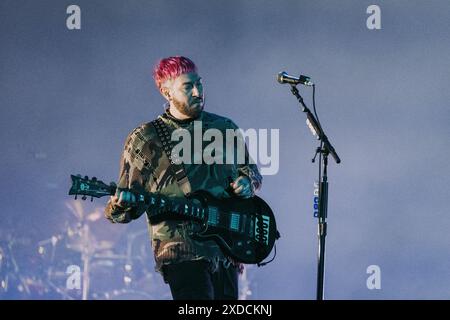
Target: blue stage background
(69,98)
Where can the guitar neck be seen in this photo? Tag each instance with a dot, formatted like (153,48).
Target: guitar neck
(160,205)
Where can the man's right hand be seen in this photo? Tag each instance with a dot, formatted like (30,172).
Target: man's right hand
(123,199)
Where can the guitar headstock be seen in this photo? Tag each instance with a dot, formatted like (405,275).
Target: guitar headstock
(90,187)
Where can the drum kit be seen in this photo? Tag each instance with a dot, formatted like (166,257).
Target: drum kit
(90,259)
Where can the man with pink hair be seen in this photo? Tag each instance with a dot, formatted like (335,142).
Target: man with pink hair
(193,269)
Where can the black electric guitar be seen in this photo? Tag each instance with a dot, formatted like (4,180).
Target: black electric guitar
(245,229)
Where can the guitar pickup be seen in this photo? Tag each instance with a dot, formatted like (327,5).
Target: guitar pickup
(213,216)
(243,223)
(234,221)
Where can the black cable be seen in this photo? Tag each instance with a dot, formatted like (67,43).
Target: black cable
(321,142)
(274,255)
(320,170)
(314,106)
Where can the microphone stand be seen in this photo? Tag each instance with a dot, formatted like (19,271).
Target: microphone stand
(325,149)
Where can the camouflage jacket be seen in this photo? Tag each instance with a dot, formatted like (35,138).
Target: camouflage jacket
(145,167)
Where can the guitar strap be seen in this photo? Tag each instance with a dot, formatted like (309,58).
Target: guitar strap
(178,169)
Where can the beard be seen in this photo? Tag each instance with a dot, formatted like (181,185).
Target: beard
(190,111)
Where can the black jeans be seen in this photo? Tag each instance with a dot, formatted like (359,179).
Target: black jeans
(193,280)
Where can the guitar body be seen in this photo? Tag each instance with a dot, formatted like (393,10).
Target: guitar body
(247,231)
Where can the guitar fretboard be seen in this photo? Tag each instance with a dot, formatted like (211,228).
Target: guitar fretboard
(161,206)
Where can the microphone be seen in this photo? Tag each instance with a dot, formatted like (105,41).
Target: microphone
(283,77)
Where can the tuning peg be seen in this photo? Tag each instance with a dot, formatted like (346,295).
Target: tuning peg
(94,178)
(76,196)
(86,177)
(92,198)
(84,197)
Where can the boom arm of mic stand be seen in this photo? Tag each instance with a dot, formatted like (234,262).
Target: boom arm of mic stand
(315,124)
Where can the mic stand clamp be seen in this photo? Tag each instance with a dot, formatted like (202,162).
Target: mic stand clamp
(318,150)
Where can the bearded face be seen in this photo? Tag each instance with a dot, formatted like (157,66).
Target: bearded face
(185,94)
